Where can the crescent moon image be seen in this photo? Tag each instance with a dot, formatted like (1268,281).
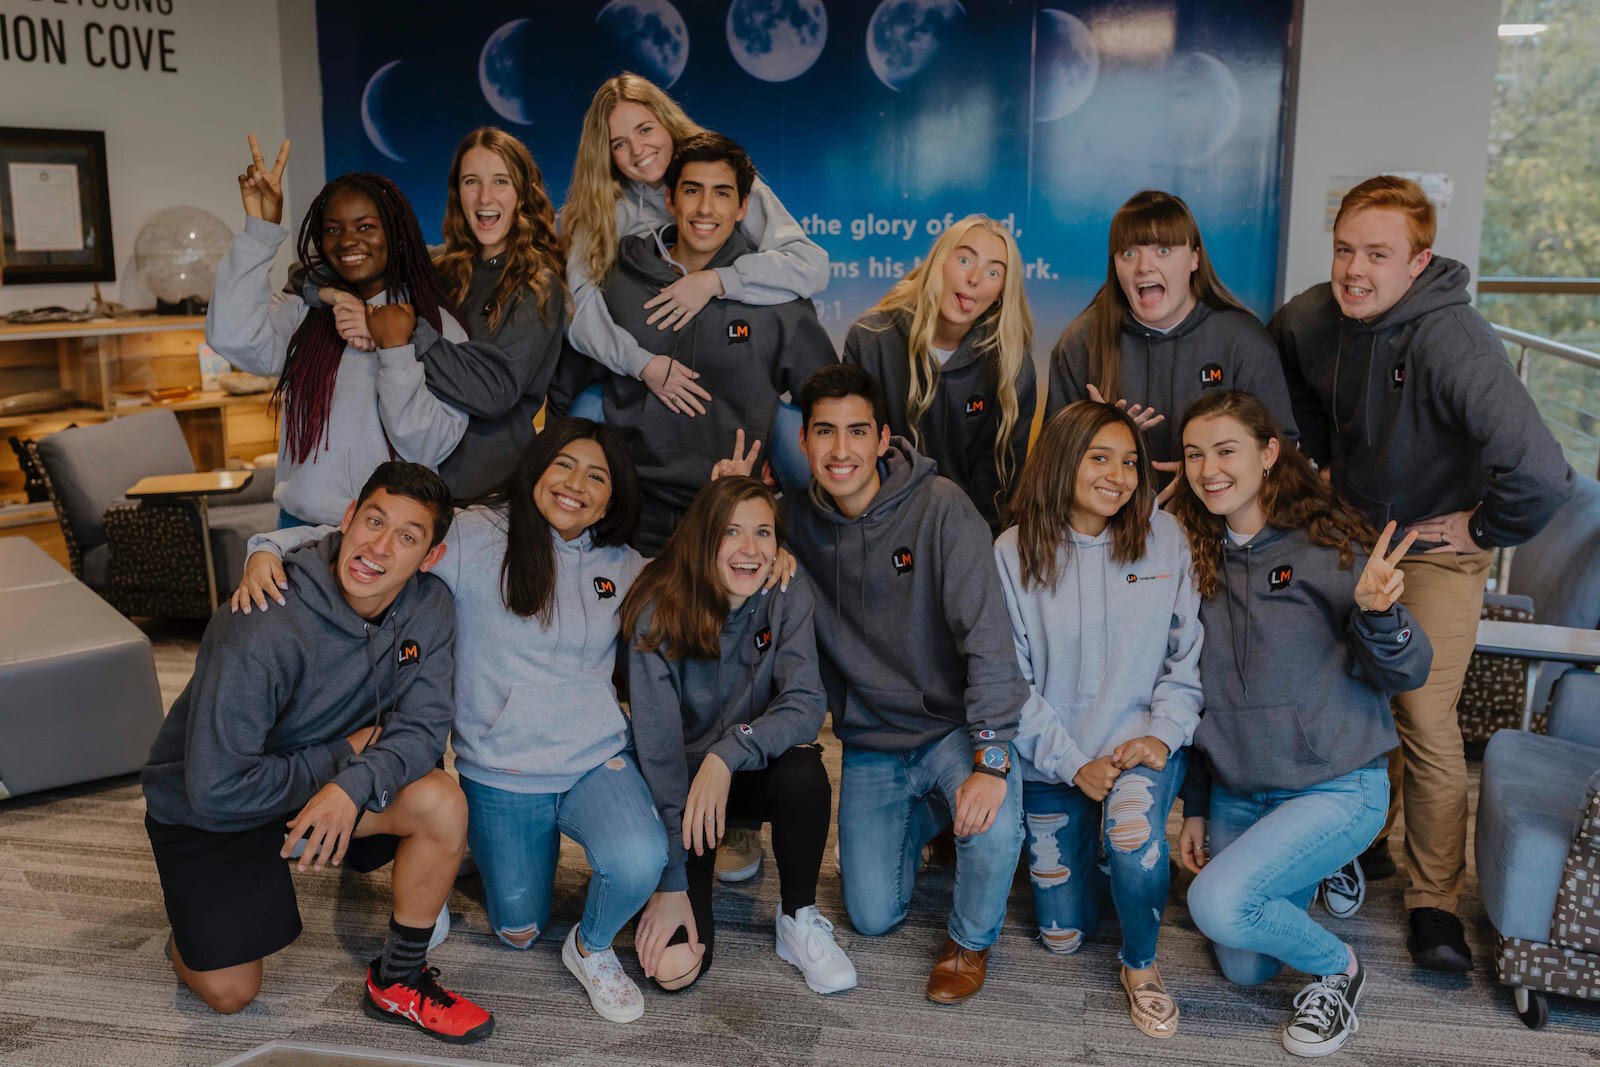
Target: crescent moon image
(648,34)
(371,105)
(1066,67)
(903,35)
(500,71)
(1204,107)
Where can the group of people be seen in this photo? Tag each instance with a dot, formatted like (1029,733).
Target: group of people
(1240,564)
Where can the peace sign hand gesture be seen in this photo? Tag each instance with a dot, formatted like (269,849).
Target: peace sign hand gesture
(1382,582)
(262,189)
(741,463)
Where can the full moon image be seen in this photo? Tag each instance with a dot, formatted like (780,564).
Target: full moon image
(1203,105)
(500,73)
(776,40)
(649,36)
(372,111)
(904,35)
(1066,65)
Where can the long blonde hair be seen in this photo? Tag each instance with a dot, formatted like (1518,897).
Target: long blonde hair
(536,253)
(1006,331)
(589,217)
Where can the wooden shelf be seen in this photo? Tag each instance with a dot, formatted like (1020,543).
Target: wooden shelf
(50,331)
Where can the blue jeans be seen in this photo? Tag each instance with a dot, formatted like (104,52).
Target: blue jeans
(516,841)
(287,521)
(883,824)
(1066,834)
(1251,900)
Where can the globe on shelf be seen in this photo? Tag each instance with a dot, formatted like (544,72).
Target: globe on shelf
(176,254)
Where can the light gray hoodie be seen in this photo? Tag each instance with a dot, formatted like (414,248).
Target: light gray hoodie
(787,265)
(535,704)
(1112,654)
(380,402)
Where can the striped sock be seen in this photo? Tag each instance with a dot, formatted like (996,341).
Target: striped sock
(405,953)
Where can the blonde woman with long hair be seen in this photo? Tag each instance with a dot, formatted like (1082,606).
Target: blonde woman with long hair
(629,135)
(952,343)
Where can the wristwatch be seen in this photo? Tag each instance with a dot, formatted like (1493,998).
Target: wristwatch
(992,759)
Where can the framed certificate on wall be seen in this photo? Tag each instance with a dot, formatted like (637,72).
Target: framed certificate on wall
(55,207)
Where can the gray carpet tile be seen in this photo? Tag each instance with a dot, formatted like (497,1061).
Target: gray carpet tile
(83,979)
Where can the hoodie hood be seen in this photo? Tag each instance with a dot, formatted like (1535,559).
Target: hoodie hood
(1442,284)
(901,471)
(647,256)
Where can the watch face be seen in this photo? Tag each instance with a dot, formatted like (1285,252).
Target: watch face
(994,757)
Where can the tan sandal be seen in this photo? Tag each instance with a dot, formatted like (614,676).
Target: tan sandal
(1150,1007)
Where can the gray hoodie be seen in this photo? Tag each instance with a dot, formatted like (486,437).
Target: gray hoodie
(536,708)
(780,264)
(1208,350)
(1419,411)
(758,699)
(746,355)
(1112,654)
(262,724)
(959,427)
(1297,678)
(911,622)
(381,408)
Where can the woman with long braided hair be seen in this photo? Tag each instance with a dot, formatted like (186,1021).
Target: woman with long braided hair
(341,411)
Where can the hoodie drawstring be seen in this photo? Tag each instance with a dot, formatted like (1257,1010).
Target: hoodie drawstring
(1233,628)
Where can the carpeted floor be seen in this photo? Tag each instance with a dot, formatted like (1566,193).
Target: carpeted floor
(83,981)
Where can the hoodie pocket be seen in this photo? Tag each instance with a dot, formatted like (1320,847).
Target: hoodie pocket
(896,709)
(1263,747)
(534,736)
(1377,510)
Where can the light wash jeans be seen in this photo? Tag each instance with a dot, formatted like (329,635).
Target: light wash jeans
(1066,834)
(884,822)
(516,841)
(1269,852)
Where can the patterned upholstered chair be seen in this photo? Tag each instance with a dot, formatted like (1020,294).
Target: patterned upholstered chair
(1538,851)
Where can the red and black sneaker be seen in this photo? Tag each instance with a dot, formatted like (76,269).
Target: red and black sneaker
(428,1006)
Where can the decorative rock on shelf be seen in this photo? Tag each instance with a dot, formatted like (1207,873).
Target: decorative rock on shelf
(177,252)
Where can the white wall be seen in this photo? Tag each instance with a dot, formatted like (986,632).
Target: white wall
(171,139)
(1388,85)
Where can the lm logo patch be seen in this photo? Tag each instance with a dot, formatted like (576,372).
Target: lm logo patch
(1280,577)
(976,406)
(738,332)
(1397,376)
(1211,374)
(764,639)
(604,588)
(901,560)
(410,652)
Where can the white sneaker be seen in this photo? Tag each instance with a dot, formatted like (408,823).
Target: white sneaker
(1344,891)
(441,927)
(806,941)
(612,993)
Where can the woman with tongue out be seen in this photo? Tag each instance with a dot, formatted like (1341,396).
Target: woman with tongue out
(952,343)
(1163,330)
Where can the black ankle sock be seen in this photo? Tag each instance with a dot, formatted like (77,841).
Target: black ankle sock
(405,953)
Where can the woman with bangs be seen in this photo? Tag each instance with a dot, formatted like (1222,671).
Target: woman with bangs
(952,343)
(1163,330)
(1106,621)
(504,264)
(628,137)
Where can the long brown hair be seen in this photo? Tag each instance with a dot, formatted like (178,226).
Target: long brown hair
(1045,493)
(690,604)
(536,252)
(1293,496)
(1150,217)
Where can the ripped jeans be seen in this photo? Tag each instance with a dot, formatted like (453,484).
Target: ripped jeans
(1066,832)
(516,841)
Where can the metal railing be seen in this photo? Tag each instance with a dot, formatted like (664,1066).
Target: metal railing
(1524,286)
(1577,428)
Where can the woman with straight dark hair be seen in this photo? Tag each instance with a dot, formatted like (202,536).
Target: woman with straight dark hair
(1105,617)
(1163,329)
(539,569)
(727,702)
(1290,779)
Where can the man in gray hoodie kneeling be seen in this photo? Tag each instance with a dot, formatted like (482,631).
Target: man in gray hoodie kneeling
(327,717)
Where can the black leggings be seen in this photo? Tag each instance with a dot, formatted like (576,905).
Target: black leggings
(793,794)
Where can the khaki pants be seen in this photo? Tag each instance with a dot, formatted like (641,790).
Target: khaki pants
(1428,772)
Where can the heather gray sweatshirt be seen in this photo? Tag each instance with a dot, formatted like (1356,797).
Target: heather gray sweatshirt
(1111,654)
(1209,349)
(535,705)
(1419,411)
(1297,678)
(746,355)
(959,428)
(761,697)
(261,726)
(381,408)
(911,620)
(779,264)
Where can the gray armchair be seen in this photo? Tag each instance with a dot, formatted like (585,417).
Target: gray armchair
(146,557)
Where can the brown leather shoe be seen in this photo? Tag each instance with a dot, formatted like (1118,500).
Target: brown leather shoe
(958,974)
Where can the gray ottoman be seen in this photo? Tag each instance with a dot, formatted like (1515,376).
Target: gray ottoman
(78,693)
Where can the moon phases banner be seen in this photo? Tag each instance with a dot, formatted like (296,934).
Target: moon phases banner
(877,123)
